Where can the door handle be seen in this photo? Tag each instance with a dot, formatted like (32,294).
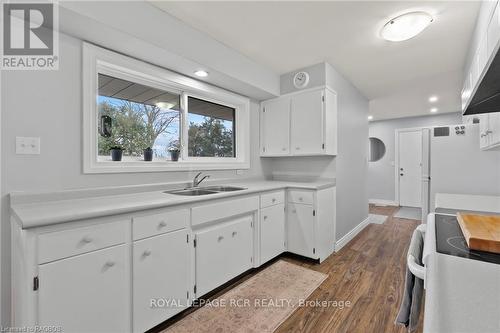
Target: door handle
(401,174)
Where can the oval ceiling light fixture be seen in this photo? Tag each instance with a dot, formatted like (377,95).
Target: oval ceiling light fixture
(405,26)
(370,117)
(201,73)
(434,110)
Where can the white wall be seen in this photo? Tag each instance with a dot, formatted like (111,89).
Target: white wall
(381,182)
(48,104)
(350,166)
(140,30)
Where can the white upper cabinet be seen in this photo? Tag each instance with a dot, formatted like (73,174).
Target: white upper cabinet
(484,52)
(493,32)
(275,127)
(307,118)
(489,131)
(302,123)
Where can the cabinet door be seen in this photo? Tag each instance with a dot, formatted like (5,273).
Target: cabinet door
(493,31)
(222,253)
(484,135)
(275,127)
(300,229)
(272,232)
(161,275)
(307,119)
(494,128)
(87,293)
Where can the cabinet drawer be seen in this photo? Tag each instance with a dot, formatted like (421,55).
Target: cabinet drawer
(299,196)
(219,210)
(272,198)
(67,243)
(154,224)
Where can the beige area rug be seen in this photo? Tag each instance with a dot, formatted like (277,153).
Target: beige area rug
(260,304)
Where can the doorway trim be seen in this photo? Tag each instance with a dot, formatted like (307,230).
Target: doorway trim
(396,158)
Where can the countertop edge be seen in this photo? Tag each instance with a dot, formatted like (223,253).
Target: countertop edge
(27,222)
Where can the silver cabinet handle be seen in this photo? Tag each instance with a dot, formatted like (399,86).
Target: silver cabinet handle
(283,148)
(273,200)
(147,253)
(110,264)
(162,224)
(297,148)
(301,199)
(234,233)
(265,217)
(489,132)
(86,240)
(220,238)
(294,211)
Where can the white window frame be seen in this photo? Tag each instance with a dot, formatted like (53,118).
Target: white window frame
(98,60)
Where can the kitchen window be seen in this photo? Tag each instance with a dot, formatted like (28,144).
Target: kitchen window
(139,118)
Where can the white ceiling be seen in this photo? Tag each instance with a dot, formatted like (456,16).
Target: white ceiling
(285,36)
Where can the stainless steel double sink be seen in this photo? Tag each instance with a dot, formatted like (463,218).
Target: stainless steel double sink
(205,190)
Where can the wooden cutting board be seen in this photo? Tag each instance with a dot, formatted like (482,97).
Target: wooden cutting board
(482,232)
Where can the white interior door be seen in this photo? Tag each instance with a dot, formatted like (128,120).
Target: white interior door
(410,168)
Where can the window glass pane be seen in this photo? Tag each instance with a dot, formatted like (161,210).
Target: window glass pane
(135,117)
(211,130)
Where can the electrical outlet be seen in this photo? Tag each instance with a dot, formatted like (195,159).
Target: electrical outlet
(27,146)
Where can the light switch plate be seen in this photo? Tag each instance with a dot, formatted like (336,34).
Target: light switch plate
(27,145)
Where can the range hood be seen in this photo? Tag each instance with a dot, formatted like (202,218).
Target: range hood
(487,96)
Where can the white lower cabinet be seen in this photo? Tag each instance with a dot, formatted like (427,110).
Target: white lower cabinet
(223,252)
(310,222)
(272,232)
(86,293)
(300,229)
(129,273)
(161,275)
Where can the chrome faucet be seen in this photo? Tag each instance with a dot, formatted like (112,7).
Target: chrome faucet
(197,182)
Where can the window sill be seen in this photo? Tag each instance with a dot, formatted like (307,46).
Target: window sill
(138,166)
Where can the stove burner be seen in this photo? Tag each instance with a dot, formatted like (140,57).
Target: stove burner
(450,240)
(460,244)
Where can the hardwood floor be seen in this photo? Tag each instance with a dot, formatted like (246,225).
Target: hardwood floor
(368,272)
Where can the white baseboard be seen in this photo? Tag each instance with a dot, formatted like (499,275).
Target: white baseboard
(351,234)
(382,202)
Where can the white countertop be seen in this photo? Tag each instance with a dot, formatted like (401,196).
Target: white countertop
(36,210)
(462,295)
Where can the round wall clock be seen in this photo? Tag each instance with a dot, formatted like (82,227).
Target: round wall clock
(301,80)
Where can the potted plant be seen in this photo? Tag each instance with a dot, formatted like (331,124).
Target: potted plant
(116,153)
(148,154)
(174,153)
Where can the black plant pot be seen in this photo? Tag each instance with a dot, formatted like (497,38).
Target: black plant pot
(174,155)
(116,154)
(148,154)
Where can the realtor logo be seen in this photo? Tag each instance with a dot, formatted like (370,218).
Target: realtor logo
(29,39)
